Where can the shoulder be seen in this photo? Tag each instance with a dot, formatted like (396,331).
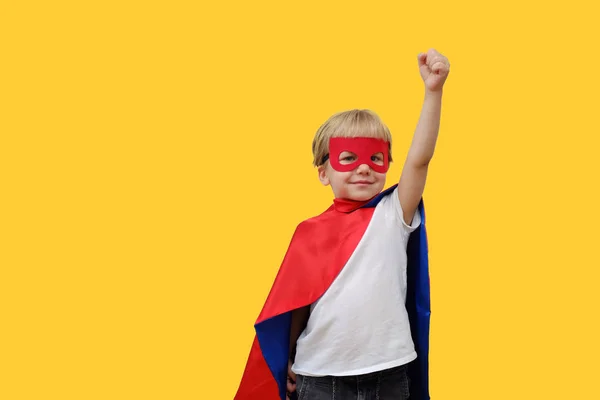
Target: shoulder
(315,222)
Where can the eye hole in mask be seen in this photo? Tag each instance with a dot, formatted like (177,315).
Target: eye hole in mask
(347,158)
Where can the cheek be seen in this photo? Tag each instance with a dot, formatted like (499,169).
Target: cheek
(340,177)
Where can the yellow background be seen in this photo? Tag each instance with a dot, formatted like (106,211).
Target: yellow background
(155,160)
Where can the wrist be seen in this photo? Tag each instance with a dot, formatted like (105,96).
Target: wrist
(434,93)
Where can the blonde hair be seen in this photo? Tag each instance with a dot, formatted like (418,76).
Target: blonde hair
(352,123)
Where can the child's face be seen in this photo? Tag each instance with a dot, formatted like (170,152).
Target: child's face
(359,184)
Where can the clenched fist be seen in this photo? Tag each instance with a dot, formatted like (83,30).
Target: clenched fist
(434,69)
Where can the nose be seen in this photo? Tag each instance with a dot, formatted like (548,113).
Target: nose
(363,169)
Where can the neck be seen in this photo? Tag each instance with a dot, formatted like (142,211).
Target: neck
(347,205)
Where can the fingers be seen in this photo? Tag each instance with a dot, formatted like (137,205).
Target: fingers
(291,386)
(436,62)
(291,381)
(439,67)
(290,393)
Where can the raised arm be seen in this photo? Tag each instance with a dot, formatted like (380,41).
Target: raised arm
(434,69)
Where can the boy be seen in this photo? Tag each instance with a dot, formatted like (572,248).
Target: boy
(345,319)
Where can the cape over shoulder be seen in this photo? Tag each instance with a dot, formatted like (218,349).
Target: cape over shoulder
(318,250)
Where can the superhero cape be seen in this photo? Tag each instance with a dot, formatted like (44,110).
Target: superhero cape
(317,253)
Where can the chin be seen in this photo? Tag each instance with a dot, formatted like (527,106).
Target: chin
(362,196)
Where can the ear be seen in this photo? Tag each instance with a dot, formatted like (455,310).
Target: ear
(323,175)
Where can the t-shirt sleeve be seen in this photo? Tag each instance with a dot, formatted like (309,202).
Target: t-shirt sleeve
(399,214)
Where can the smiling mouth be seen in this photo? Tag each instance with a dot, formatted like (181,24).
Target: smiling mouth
(362,183)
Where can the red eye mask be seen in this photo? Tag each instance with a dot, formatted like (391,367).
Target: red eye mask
(364,148)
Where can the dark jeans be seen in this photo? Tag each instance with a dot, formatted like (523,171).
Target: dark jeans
(391,384)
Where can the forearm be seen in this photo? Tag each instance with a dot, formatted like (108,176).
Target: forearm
(299,321)
(426,134)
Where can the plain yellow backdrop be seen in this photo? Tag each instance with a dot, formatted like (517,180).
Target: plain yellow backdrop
(155,160)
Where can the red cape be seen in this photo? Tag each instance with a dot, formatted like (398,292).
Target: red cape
(319,249)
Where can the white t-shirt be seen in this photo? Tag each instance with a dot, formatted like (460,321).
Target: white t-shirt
(360,325)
